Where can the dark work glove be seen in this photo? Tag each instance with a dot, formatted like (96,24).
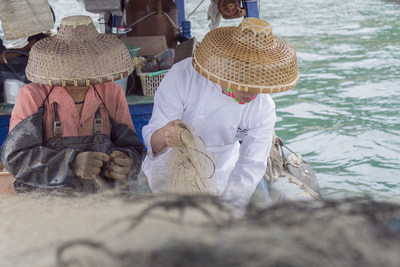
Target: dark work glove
(119,166)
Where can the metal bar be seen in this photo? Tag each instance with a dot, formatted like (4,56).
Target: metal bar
(180,4)
(185,25)
(251,8)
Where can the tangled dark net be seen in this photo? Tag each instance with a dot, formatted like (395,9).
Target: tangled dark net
(348,232)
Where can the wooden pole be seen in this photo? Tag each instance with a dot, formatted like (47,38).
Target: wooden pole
(159,7)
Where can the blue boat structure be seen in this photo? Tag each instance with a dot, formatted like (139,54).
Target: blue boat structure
(169,31)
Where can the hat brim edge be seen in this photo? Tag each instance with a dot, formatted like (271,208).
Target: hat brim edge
(243,87)
(79,81)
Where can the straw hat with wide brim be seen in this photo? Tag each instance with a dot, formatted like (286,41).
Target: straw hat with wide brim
(247,58)
(78,56)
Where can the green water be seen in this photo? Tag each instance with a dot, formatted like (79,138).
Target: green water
(343,116)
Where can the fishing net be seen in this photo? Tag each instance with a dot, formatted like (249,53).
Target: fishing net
(189,164)
(195,230)
(350,232)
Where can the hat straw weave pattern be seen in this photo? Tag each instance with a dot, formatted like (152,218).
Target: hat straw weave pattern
(78,56)
(247,58)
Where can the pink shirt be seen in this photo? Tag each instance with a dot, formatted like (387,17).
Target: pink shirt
(31,97)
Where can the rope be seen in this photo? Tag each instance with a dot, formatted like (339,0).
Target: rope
(194,10)
(47,96)
(195,149)
(152,13)
(303,186)
(101,100)
(170,20)
(139,20)
(293,179)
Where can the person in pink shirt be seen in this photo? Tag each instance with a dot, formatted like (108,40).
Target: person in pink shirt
(71,127)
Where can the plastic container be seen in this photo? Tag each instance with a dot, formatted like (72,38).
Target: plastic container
(150,80)
(133,49)
(11,89)
(4,124)
(123,83)
(140,114)
(166,59)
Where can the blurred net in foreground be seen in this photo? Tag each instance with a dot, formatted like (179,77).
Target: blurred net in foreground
(349,232)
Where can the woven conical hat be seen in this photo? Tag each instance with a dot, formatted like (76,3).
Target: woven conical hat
(247,58)
(78,56)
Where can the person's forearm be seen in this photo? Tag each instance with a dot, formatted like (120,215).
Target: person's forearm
(52,168)
(157,141)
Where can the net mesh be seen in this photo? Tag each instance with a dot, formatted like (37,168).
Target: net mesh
(190,166)
(100,230)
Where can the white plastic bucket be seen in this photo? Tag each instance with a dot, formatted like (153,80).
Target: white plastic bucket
(11,89)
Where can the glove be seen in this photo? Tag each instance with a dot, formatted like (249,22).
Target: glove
(119,166)
(86,165)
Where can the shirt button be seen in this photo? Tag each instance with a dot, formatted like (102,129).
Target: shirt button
(81,124)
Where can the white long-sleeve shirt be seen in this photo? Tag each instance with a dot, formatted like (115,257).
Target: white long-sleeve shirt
(221,122)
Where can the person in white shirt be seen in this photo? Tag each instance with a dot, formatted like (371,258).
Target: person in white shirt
(222,93)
